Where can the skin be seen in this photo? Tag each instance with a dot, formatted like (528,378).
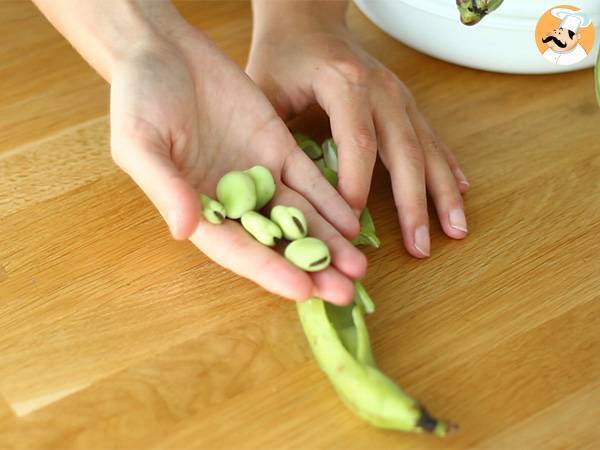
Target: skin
(172,129)
(302,54)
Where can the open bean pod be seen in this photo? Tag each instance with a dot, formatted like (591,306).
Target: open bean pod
(339,340)
(308,146)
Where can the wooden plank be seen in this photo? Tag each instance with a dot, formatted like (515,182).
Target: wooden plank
(150,397)
(486,395)
(542,429)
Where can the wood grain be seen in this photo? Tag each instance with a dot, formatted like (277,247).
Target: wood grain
(114,336)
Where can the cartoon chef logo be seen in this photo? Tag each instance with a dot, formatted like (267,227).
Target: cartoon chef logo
(565,35)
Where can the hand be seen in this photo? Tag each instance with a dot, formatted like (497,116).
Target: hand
(182,115)
(314,59)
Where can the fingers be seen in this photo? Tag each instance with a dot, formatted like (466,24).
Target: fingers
(351,118)
(333,286)
(404,160)
(442,184)
(229,245)
(154,172)
(344,256)
(461,179)
(304,177)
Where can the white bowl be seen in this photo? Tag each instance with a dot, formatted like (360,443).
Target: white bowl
(503,41)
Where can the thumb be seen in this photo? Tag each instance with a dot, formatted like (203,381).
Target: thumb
(269,87)
(154,172)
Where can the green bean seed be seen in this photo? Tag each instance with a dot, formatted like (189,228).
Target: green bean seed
(264,184)
(310,254)
(291,221)
(261,228)
(237,193)
(308,146)
(213,211)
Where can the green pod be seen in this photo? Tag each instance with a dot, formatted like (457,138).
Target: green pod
(261,228)
(213,211)
(237,193)
(308,146)
(309,253)
(361,297)
(368,235)
(330,154)
(349,365)
(329,174)
(291,221)
(264,184)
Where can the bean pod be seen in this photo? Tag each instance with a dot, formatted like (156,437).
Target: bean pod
(308,146)
(339,340)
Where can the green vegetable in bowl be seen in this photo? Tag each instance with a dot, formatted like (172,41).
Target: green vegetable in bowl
(472,11)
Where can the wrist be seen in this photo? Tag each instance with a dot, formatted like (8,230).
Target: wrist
(292,16)
(156,26)
(106,32)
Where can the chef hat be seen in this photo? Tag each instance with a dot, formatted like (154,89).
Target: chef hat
(571,20)
(571,23)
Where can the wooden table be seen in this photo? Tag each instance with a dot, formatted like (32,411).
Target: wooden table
(114,336)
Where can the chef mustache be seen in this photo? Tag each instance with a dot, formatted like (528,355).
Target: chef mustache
(556,41)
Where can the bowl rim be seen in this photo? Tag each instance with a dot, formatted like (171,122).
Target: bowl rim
(502,18)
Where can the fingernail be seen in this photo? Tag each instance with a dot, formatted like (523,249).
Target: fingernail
(174,220)
(422,240)
(462,179)
(457,219)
